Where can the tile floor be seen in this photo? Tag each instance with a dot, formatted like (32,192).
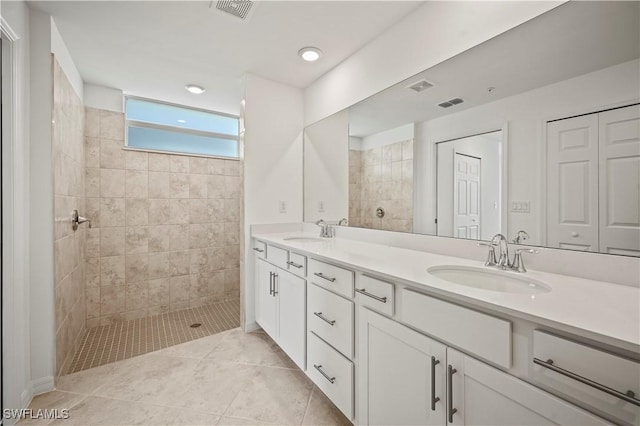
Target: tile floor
(230,378)
(126,339)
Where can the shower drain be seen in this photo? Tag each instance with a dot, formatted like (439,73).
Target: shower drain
(195,325)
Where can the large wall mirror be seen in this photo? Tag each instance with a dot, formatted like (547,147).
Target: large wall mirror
(534,134)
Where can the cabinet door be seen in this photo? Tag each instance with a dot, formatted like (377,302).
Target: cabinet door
(266,301)
(397,384)
(483,395)
(291,294)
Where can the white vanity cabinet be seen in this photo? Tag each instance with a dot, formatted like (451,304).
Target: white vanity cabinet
(401,374)
(407,378)
(478,394)
(280,308)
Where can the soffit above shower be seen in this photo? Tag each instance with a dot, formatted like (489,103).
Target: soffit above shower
(155,47)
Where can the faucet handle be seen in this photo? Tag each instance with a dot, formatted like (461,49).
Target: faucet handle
(491,256)
(518,263)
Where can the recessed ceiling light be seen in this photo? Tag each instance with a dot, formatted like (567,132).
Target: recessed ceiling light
(310,54)
(182,121)
(195,89)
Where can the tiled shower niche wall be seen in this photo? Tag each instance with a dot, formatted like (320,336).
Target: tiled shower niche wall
(165,233)
(382,177)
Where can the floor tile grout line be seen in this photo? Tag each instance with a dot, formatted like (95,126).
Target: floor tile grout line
(306,410)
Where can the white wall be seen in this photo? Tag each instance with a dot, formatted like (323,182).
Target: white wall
(16,300)
(59,48)
(273,122)
(100,97)
(526,115)
(434,32)
(41,205)
(388,137)
(326,169)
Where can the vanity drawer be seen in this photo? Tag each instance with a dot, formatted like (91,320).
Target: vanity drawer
(332,277)
(481,334)
(260,249)
(297,264)
(331,372)
(375,294)
(277,256)
(577,361)
(332,318)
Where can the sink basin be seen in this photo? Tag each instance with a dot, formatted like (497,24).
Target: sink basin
(487,279)
(304,239)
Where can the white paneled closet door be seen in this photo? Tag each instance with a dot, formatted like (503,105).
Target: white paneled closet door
(620,181)
(572,183)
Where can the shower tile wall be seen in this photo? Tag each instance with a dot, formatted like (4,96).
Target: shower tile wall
(69,246)
(166,228)
(382,177)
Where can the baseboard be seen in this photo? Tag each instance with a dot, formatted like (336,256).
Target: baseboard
(42,385)
(252,326)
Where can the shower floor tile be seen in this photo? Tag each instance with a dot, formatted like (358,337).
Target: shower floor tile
(126,339)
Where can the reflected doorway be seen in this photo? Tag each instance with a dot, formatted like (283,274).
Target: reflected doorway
(469,186)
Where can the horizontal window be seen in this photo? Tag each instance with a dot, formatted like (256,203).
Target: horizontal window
(158,126)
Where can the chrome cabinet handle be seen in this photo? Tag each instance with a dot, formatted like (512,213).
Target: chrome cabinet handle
(373,296)
(323,318)
(326,376)
(275,277)
(258,250)
(294,264)
(629,396)
(324,277)
(434,398)
(270,283)
(450,372)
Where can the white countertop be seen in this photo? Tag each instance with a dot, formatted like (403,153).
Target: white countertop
(610,311)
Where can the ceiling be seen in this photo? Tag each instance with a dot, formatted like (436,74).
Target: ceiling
(153,48)
(571,40)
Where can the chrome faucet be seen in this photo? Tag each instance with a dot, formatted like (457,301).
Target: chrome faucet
(503,262)
(501,242)
(343,222)
(520,237)
(326,230)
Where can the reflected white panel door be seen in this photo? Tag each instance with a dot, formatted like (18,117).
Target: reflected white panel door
(466,198)
(620,181)
(572,183)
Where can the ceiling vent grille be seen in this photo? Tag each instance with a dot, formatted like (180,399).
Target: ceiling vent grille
(238,8)
(451,102)
(420,86)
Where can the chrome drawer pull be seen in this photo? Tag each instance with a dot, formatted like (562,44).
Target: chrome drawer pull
(629,396)
(258,250)
(373,296)
(326,376)
(275,277)
(294,264)
(319,274)
(450,372)
(434,398)
(322,317)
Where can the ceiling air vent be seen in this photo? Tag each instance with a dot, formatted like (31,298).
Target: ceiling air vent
(420,86)
(238,8)
(451,102)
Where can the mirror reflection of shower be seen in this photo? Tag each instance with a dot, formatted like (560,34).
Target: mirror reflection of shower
(469,186)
